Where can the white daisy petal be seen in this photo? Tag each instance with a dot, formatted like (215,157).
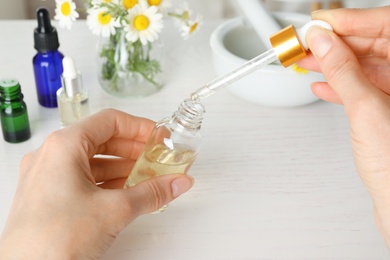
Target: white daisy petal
(144,23)
(161,5)
(101,22)
(65,13)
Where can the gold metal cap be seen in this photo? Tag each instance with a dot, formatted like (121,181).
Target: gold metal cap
(287,46)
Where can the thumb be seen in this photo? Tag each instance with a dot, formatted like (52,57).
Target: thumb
(339,65)
(150,195)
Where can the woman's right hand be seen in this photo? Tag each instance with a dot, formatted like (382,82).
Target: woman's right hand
(355,60)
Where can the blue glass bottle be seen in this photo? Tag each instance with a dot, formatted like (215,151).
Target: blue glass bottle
(48,61)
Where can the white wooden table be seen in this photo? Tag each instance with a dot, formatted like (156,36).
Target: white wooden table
(270,183)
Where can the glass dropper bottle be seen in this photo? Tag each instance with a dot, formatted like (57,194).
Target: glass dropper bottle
(172,146)
(47,62)
(72,97)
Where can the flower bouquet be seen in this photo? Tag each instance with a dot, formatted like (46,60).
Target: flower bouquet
(130,50)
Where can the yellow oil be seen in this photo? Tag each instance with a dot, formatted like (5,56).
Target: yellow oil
(72,109)
(160,160)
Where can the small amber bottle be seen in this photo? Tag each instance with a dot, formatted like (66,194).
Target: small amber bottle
(14,117)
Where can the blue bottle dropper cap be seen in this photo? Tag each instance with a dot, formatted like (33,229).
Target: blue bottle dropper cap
(45,35)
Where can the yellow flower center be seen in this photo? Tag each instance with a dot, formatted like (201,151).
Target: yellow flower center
(128,4)
(65,8)
(141,22)
(104,18)
(154,2)
(193,27)
(298,69)
(107,1)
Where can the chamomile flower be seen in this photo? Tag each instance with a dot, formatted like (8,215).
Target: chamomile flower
(189,27)
(145,23)
(65,13)
(100,22)
(162,5)
(182,19)
(128,4)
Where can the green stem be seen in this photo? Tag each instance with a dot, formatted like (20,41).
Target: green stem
(138,60)
(149,79)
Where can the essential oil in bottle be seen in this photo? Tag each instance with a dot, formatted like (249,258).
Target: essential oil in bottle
(47,62)
(72,97)
(14,117)
(172,146)
(161,160)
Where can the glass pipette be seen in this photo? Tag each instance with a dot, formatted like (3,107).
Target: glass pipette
(288,46)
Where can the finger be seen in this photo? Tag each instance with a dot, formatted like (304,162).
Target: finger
(325,92)
(106,169)
(368,46)
(339,66)
(377,70)
(150,195)
(309,63)
(96,130)
(121,147)
(124,205)
(358,22)
(366,31)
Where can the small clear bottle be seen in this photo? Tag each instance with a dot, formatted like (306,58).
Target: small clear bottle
(172,146)
(73,96)
(14,117)
(47,62)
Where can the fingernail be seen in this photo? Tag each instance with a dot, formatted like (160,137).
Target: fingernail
(181,185)
(315,13)
(319,41)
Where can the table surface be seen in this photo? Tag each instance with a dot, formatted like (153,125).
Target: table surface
(271,183)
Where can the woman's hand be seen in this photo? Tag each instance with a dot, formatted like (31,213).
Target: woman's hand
(366,34)
(70,203)
(356,64)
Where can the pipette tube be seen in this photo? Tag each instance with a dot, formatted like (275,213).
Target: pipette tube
(288,46)
(238,73)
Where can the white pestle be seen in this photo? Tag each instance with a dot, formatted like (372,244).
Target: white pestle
(260,19)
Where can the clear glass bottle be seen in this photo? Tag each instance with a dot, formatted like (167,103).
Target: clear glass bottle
(14,117)
(172,146)
(72,97)
(47,62)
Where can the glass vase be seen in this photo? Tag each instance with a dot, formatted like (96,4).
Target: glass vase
(129,69)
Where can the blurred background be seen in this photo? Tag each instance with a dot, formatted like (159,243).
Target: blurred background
(214,9)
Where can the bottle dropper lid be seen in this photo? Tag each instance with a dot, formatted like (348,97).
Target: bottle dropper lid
(71,79)
(45,35)
(290,43)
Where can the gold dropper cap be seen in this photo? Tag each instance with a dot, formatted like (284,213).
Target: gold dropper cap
(287,46)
